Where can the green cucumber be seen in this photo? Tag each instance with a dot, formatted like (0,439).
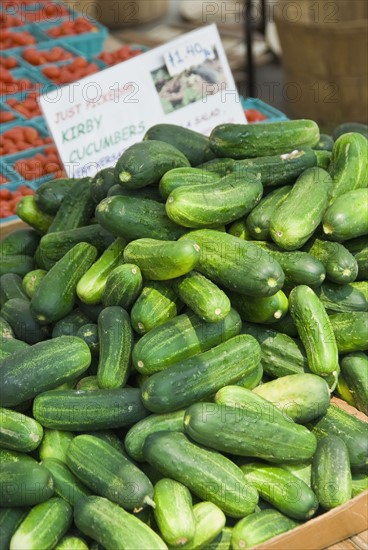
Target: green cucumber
(180,177)
(113,527)
(225,260)
(6,332)
(101,183)
(359,249)
(115,336)
(349,164)
(295,220)
(268,309)
(89,383)
(351,429)
(8,346)
(220,166)
(24,484)
(323,159)
(302,470)
(222,541)
(7,456)
(11,287)
(350,127)
(90,287)
(41,367)
(343,391)
(18,313)
(341,298)
(248,432)
(44,525)
(108,473)
(252,378)
(55,444)
(303,397)
(222,202)
(19,432)
(19,264)
(32,281)
(10,518)
(256,140)
(173,512)
(66,484)
(21,241)
(347,217)
(239,229)
(315,331)
(350,330)
(71,543)
(359,484)
(29,212)
(258,221)
(136,436)
(325,143)
(205,298)
(70,324)
(206,473)
(81,410)
(89,333)
(162,260)
(331,476)
(209,522)
(150,192)
(260,527)
(341,266)
(354,368)
(91,311)
(123,286)
(112,439)
(76,208)
(55,297)
(146,162)
(156,304)
(286,492)
(50,194)
(197,377)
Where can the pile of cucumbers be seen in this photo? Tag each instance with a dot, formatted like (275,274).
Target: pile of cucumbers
(172,333)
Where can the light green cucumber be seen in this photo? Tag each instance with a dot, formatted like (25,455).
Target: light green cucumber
(174,512)
(55,444)
(258,221)
(66,484)
(268,309)
(209,522)
(156,304)
(19,432)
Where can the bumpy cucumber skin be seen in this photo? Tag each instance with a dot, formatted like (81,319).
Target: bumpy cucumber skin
(24,484)
(354,368)
(101,183)
(66,484)
(258,221)
(202,470)
(178,177)
(349,164)
(347,217)
(350,330)
(331,476)
(341,266)
(123,286)
(315,331)
(19,432)
(268,309)
(156,304)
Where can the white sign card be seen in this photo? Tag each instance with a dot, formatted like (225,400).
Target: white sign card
(187,81)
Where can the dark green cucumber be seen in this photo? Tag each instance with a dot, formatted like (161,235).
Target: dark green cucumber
(349,164)
(209,522)
(193,145)
(221,202)
(350,330)
(341,297)
(331,476)
(70,324)
(222,541)
(19,432)
(295,220)
(359,484)
(150,192)
(248,432)
(258,221)
(24,484)
(55,245)
(123,286)
(44,525)
(162,260)
(201,295)
(347,217)
(354,368)
(112,439)
(91,286)
(257,140)
(260,527)
(17,312)
(41,367)
(303,397)
(325,143)
(31,214)
(89,333)
(206,473)
(55,444)
(180,177)
(18,264)
(116,342)
(112,527)
(136,218)
(10,518)
(81,410)
(50,194)
(7,457)
(181,337)
(55,297)
(76,208)
(101,183)
(6,332)
(197,377)
(156,304)
(174,512)
(91,311)
(136,436)
(350,127)
(315,331)
(351,429)
(341,266)
(66,484)
(286,492)
(11,287)
(359,249)
(225,260)
(268,309)
(21,241)
(32,281)
(146,162)
(108,473)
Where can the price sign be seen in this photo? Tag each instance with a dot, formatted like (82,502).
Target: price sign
(187,55)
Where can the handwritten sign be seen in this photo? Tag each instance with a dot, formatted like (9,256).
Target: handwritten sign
(187,82)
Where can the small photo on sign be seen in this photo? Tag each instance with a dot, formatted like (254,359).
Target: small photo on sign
(190,85)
